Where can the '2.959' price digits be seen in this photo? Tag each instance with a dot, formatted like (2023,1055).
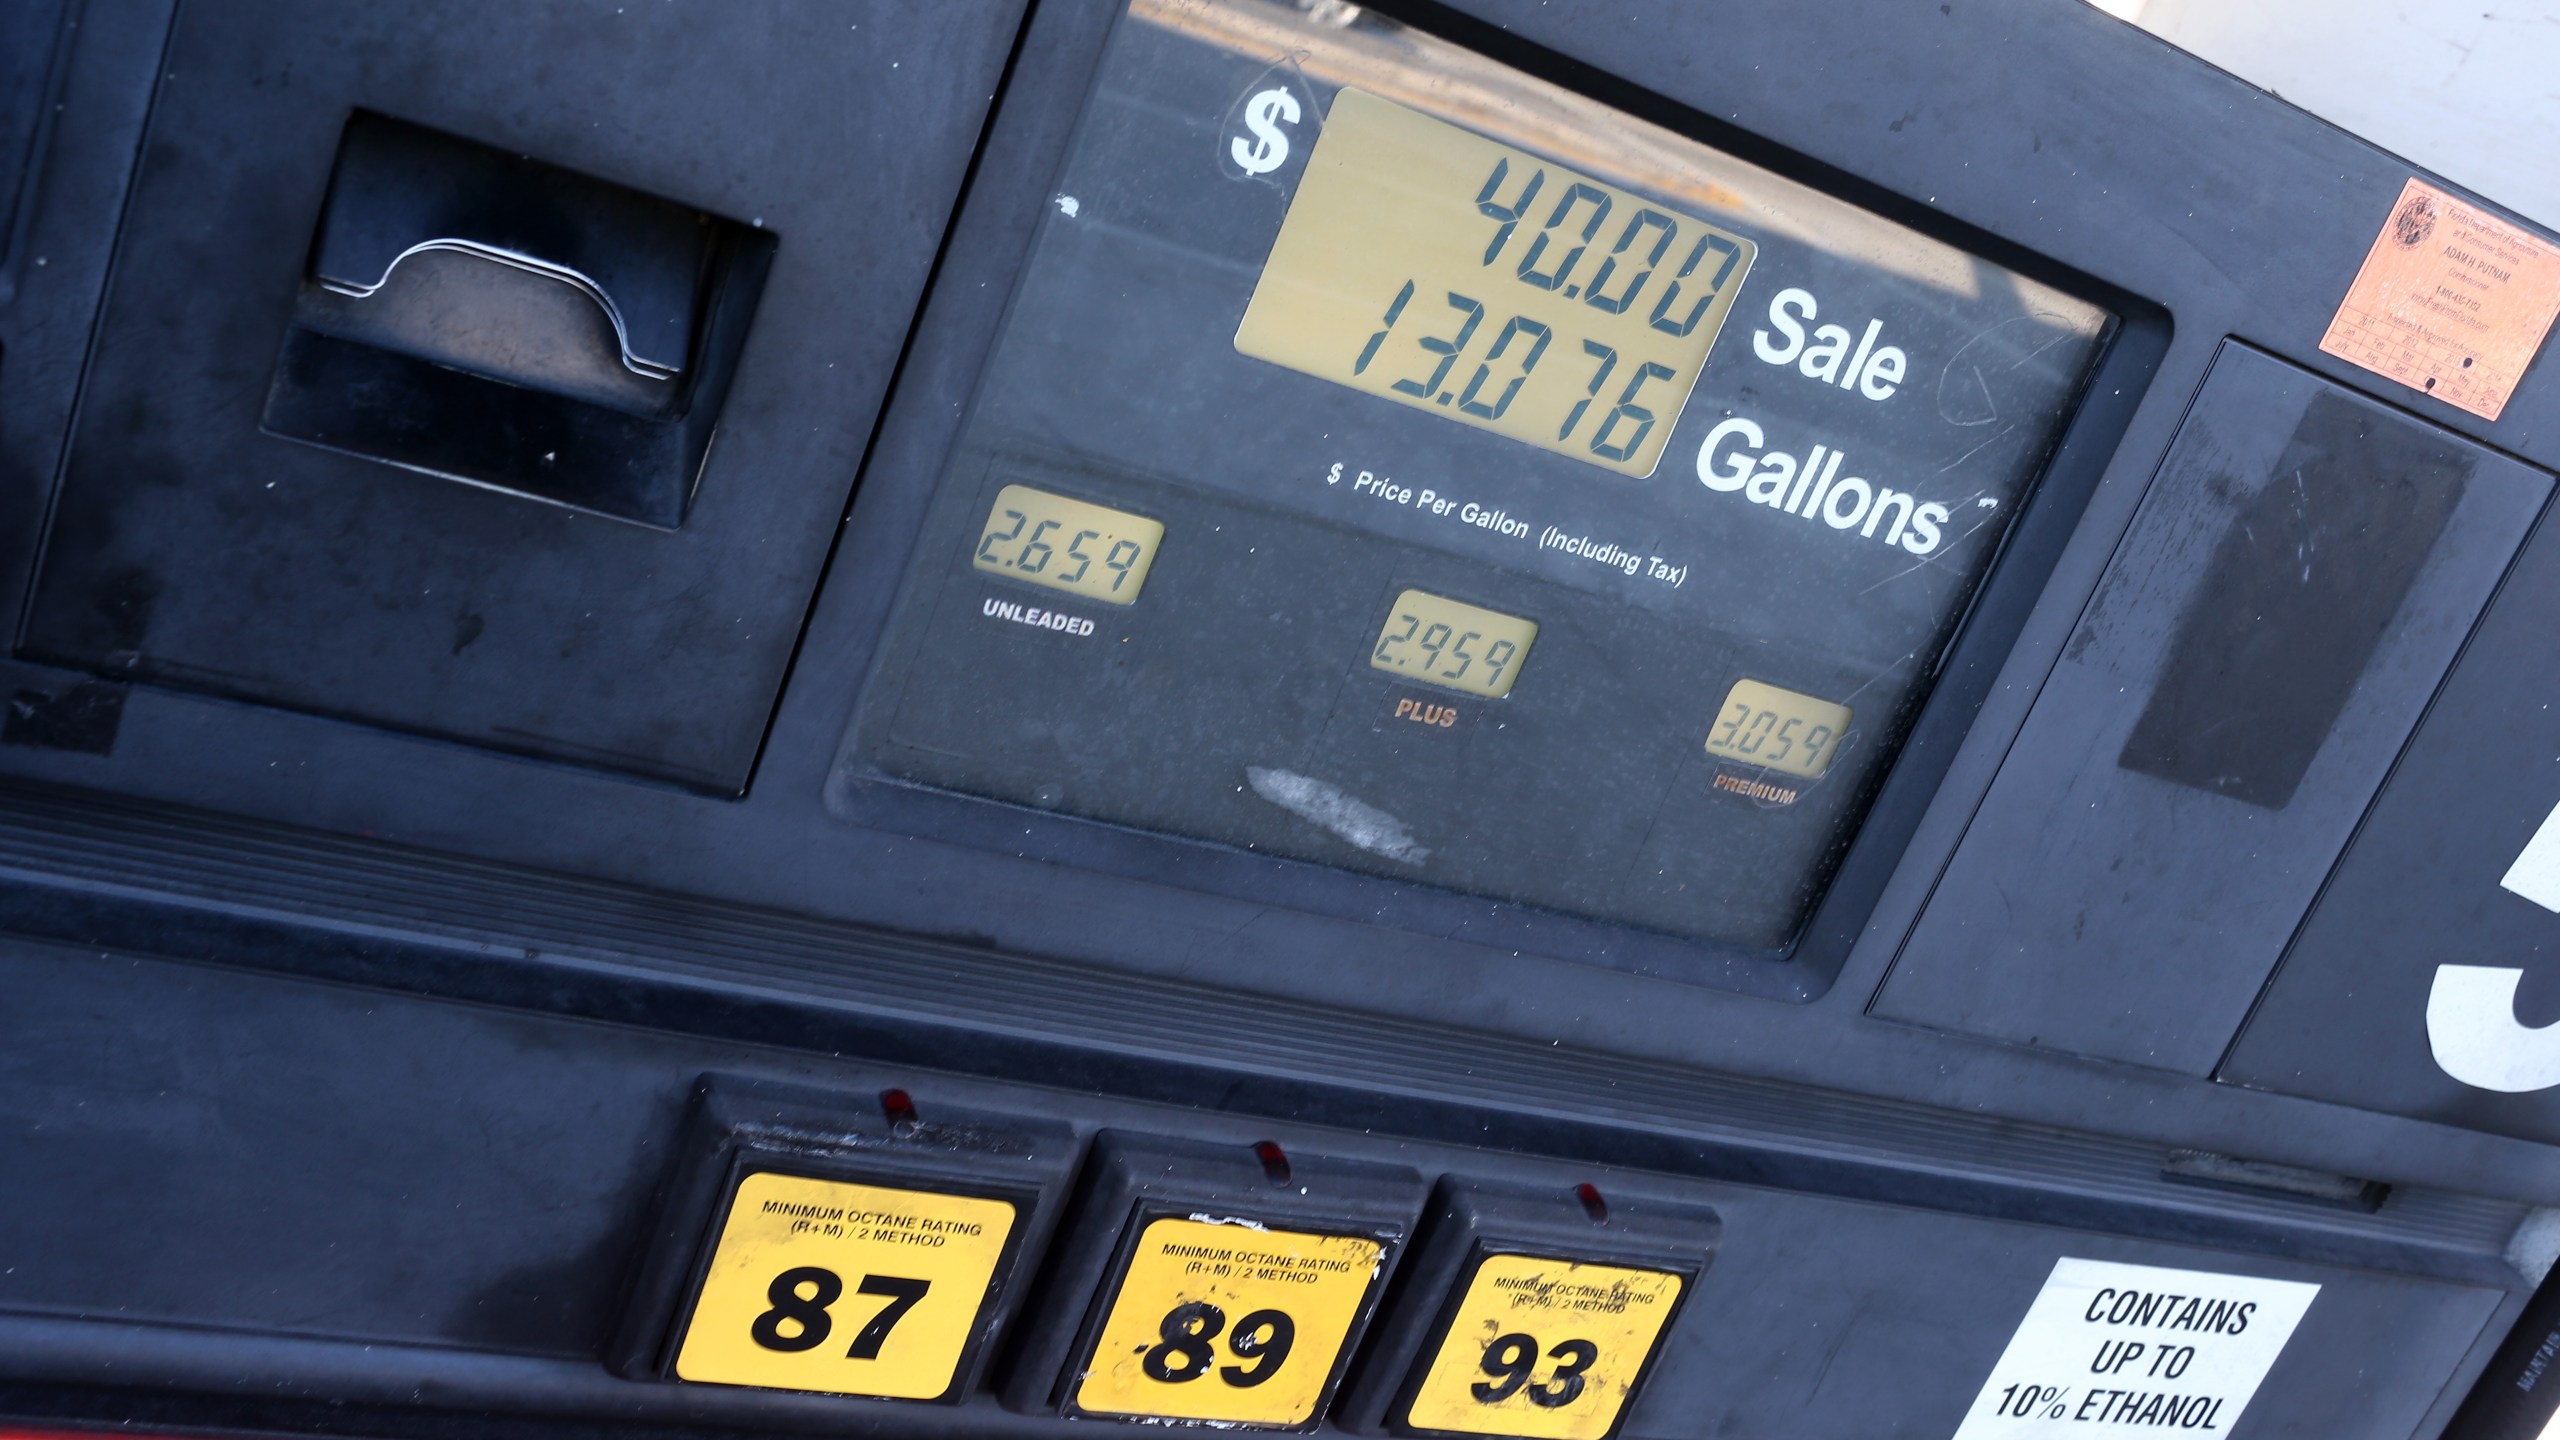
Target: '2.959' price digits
(1450,643)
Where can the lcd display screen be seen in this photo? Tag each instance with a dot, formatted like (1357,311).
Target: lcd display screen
(1440,641)
(1580,343)
(1394,461)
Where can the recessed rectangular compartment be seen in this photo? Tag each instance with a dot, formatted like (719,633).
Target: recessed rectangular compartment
(497,374)
(904,1227)
(502,322)
(1184,1260)
(2301,574)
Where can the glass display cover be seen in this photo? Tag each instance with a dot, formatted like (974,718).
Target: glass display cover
(1391,460)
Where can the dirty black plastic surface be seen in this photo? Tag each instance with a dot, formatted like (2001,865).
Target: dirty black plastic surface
(415,1172)
(2305,568)
(189,548)
(2346,1018)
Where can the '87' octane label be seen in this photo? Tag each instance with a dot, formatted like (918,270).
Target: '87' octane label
(2108,1348)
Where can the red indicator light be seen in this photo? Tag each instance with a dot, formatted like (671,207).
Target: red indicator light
(898,1107)
(1275,1161)
(1593,1203)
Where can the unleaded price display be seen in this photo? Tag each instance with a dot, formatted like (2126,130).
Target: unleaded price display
(1544,1348)
(844,1288)
(1453,273)
(1084,549)
(1235,1323)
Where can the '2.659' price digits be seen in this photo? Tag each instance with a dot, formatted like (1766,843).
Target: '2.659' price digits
(1083,549)
(1509,293)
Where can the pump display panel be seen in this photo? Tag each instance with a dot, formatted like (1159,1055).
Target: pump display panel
(1393,461)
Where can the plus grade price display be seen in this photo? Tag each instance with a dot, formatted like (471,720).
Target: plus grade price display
(1438,269)
(1450,643)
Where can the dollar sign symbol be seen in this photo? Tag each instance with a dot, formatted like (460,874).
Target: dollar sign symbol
(1334,478)
(1264,115)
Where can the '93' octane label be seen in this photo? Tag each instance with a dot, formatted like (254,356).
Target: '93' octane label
(1544,1348)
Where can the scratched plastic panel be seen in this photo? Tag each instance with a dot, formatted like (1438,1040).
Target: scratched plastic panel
(2304,569)
(2420,985)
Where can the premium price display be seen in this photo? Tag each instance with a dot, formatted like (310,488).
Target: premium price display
(1448,642)
(1083,549)
(1778,729)
(1438,269)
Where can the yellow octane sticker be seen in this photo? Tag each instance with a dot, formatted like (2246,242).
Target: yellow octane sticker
(1228,1322)
(851,1289)
(1548,1349)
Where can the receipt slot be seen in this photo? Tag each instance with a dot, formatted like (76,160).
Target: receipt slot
(486,317)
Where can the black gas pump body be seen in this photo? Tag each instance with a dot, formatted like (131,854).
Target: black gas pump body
(435,763)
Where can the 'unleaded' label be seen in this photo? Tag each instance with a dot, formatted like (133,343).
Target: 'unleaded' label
(2109,1349)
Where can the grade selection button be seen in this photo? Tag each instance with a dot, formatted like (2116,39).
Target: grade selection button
(1534,1311)
(1228,1321)
(1543,1347)
(845,1288)
(1213,1284)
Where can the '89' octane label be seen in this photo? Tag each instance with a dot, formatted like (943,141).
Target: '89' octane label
(1227,1321)
(2107,1346)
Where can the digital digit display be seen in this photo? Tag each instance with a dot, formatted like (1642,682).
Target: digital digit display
(1088,550)
(1417,352)
(1438,269)
(1778,729)
(1450,643)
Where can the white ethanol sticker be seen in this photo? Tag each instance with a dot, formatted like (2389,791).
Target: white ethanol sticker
(2109,1347)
